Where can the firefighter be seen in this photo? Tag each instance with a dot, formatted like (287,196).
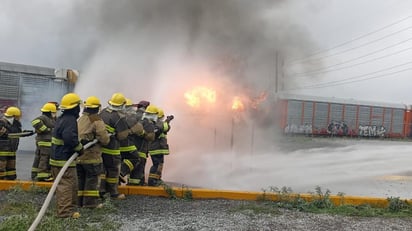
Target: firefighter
(128,150)
(10,132)
(141,108)
(43,126)
(158,148)
(117,125)
(65,142)
(137,176)
(90,164)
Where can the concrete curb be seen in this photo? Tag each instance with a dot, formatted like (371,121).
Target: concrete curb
(200,193)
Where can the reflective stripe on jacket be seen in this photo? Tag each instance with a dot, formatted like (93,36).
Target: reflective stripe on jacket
(65,141)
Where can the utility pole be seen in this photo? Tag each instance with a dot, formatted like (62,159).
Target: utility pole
(276,72)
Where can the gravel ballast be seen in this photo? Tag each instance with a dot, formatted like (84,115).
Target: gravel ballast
(157,213)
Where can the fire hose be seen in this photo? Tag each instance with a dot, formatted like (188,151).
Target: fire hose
(54,186)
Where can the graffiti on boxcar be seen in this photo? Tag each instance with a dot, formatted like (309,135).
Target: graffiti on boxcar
(298,129)
(338,128)
(372,131)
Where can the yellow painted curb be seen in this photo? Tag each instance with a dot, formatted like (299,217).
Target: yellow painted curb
(200,193)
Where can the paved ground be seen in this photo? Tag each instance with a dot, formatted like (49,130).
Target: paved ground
(351,166)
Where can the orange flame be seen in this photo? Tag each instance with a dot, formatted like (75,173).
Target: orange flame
(237,104)
(198,95)
(258,100)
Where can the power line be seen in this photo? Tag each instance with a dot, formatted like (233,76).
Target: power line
(350,41)
(355,78)
(325,70)
(364,44)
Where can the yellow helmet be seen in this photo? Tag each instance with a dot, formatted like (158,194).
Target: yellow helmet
(49,107)
(92,102)
(13,111)
(160,112)
(117,99)
(69,101)
(129,102)
(152,109)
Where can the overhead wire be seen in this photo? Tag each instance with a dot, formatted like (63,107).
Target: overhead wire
(357,78)
(325,70)
(349,41)
(364,44)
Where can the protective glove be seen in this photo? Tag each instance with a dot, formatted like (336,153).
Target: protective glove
(169,118)
(137,129)
(158,132)
(3,132)
(81,152)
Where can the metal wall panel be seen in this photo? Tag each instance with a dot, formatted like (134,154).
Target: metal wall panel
(294,112)
(9,87)
(377,116)
(321,115)
(308,113)
(364,115)
(398,122)
(387,121)
(350,116)
(336,112)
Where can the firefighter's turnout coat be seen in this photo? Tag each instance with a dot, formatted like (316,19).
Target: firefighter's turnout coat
(8,148)
(90,164)
(43,126)
(116,125)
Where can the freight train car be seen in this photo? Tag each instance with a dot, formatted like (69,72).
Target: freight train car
(343,117)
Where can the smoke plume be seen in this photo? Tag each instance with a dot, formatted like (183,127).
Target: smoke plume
(158,50)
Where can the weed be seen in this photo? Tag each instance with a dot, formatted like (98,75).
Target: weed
(262,197)
(19,208)
(169,190)
(321,200)
(397,205)
(187,193)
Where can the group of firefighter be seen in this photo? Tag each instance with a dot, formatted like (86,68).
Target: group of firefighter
(112,144)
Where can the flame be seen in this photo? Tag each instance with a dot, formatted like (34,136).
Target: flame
(237,104)
(198,95)
(258,100)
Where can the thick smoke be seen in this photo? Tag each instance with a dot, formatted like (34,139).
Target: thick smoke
(157,51)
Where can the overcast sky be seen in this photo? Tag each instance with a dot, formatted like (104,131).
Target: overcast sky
(318,42)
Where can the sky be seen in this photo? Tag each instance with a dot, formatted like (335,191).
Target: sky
(160,50)
(321,45)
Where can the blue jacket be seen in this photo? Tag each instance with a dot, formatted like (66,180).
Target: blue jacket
(65,140)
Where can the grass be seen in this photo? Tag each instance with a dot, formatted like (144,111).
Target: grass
(19,208)
(321,203)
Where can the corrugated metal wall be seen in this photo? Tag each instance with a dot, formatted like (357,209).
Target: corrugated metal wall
(29,87)
(348,118)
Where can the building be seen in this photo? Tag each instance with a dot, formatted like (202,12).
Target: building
(29,87)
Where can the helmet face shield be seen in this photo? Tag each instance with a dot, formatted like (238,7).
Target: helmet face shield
(10,119)
(150,116)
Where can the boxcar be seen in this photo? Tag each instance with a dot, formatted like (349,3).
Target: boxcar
(343,117)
